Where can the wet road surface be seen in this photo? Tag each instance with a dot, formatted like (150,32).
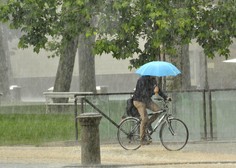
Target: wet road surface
(194,155)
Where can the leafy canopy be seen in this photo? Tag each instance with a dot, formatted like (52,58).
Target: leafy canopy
(125,28)
(48,24)
(164,24)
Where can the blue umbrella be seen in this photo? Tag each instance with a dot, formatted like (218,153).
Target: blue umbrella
(158,68)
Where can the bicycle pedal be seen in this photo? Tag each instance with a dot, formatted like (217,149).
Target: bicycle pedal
(146,141)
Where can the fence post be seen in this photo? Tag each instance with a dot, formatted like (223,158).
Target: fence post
(90,142)
(0,97)
(204,115)
(76,114)
(210,115)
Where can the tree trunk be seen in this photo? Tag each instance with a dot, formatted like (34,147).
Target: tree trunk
(4,79)
(87,81)
(66,66)
(185,69)
(182,81)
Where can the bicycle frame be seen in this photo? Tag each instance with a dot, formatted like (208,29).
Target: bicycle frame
(159,122)
(164,118)
(170,135)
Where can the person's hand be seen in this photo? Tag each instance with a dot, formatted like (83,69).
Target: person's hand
(156,90)
(169,99)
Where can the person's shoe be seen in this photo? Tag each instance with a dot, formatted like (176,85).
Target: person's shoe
(145,141)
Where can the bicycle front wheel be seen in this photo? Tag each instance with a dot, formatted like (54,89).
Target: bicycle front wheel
(128,133)
(174,134)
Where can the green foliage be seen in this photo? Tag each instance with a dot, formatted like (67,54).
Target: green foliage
(36,19)
(216,26)
(162,25)
(47,24)
(123,24)
(157,23)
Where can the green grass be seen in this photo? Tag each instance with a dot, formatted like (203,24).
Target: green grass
(22,109)
(29,125)
(35,129)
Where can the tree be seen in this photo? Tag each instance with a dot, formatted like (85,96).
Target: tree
(54,25)
(215,27)
(86,64)
(163,25)
(87,60)
(4,67)
(79,23)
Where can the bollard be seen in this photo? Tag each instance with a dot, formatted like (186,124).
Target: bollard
(90,140)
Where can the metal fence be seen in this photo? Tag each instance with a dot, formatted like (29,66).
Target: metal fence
(209,114)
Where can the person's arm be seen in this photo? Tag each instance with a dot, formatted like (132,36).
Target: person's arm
(162,94)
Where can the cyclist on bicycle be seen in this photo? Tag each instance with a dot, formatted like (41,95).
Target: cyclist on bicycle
(146,87)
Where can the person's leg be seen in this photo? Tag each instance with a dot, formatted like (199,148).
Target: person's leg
(141,107)
(154,107)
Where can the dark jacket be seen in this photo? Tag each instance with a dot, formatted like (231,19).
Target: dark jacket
(145,89)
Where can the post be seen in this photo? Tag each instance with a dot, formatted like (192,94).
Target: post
(76,114)
(204,114)
(0,97)
(90,141)
(210,113)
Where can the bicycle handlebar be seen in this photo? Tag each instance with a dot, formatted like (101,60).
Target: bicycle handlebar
(161,99)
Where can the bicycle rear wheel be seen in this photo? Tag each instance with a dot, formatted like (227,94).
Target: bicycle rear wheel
(128,133)
(174,134)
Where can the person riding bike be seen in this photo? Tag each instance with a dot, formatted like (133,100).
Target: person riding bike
(146,87)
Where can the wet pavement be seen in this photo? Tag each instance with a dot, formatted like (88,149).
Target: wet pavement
(194,155)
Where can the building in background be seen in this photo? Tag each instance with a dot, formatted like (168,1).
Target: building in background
(220,74)
(35,73)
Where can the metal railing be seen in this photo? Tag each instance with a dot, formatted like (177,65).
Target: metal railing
(206,112)
(85,100)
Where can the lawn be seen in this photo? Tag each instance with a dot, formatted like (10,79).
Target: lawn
(22,125)
(30,125)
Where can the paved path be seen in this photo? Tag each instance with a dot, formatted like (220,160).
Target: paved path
(201,155)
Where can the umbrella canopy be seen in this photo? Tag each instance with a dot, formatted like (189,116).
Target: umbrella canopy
(158,68)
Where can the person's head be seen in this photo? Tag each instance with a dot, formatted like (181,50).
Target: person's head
(146,76)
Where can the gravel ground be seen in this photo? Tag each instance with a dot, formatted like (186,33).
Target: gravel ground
(201,155)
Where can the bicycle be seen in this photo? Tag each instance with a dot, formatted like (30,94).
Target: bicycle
(173,132)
